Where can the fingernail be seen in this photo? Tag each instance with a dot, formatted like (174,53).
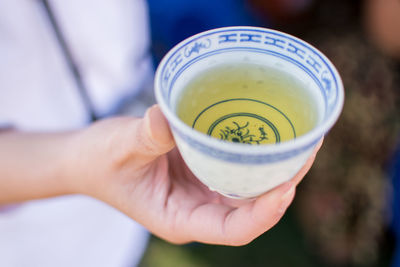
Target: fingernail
(286,197)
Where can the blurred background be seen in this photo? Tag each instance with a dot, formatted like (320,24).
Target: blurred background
(345,211)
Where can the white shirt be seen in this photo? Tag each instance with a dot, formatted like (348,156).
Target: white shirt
(109,41)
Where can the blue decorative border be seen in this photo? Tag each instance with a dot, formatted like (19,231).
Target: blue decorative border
(240,158)
(308,59)
(176,57)
(247,49)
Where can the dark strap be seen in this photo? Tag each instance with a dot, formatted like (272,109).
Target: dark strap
(73,67)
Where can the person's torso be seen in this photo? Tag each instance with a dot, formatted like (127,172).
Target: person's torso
(108,41)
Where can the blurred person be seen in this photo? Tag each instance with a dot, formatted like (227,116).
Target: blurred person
(71,193)
(383,23)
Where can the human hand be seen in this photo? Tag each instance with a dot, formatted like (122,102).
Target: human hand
(132,165)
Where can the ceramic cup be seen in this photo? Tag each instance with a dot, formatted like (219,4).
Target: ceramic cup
(240,170)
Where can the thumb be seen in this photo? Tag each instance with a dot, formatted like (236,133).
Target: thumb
(155,137)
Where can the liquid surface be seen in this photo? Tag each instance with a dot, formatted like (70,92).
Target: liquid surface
(247,103)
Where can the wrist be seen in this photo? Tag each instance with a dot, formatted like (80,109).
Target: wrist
(73,165)
(35,166)
(63,170)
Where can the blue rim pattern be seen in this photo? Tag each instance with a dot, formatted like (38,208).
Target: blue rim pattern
(176,57)
(239,158)
(247,49)
(253,40)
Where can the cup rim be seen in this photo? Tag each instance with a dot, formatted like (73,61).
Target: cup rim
(304,140)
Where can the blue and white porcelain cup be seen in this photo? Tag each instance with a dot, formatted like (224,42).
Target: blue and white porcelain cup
(240,170)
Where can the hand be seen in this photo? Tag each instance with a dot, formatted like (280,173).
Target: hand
(132,165)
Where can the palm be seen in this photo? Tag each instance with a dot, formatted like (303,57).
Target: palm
(182,209)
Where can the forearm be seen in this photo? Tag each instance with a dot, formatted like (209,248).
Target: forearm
(34,165)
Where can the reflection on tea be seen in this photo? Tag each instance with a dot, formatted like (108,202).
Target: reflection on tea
(247,103)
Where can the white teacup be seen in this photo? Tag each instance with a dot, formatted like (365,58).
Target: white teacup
(240,170)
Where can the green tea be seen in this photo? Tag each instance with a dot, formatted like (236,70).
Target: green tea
(247,103)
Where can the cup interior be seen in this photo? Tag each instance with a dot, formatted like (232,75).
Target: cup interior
(253,57)
(235,45)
